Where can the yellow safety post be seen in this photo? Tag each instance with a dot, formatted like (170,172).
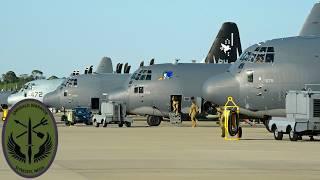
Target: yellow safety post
(4,112)
(229,105)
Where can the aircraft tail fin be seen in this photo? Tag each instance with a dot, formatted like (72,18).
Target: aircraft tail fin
(105,66)
(311,26)
(227,46)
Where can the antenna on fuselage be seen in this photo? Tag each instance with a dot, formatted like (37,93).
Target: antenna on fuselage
(90,69)
(86,70)
(142,64)
(119,68)
(151,62)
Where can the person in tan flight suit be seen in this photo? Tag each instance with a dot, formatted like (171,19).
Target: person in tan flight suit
(221,120)
(193,112)
(175,104)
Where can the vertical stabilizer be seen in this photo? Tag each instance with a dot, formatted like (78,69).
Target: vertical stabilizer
(227,46)
(105,66)
(311,26)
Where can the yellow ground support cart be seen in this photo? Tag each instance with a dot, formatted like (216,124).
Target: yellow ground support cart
(231,112)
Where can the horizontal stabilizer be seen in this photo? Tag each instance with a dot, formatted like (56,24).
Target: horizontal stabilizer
(311,26)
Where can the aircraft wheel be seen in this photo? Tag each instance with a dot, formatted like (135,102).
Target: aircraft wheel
(277,135)
(105,124)
(148,120)
(120,125)
(293,136)
(128,124)
(154,120)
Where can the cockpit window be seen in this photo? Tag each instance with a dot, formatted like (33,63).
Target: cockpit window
(134,76)
(263,49)
(143,75)
(71,82)
(137,77)
(148,77)
(269,58)
(260,55)
(260,58)
(270,49)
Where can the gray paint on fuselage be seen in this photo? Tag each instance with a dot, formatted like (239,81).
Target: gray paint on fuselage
(187,81)
(296,63)
(88,86)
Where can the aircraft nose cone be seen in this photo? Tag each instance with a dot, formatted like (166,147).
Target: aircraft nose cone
(52,100)
(218,88)
(13,99)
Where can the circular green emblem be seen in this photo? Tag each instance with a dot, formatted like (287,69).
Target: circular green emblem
(29,138)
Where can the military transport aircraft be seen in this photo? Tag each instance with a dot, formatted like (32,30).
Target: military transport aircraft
(260,78)
(151,89)
(87,90)
(37,89)
(163,77)
(34,90)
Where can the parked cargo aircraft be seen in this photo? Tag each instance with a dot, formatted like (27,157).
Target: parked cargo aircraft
(34,90)
(37,89)
(88,92)
(265,72)
(151,89)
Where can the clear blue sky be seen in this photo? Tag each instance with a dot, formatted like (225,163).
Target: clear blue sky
(62,35)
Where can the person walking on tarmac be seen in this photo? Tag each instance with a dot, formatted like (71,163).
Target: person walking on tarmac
(175,105)
(221,120)
(193,112)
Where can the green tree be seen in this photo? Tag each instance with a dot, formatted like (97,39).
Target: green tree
(52,77)
(37,74)
(10,77)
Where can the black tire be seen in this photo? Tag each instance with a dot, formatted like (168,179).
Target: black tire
(148,120)
(67,123)
(105,124)
(266,124)
(128,124)
(312,138)
(292,135)
(64,118)
(277,135)
(95,123)
(120,125)
(240,132)
(154,120)
(88,123)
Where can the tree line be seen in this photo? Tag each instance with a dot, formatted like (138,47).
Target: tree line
(11,82)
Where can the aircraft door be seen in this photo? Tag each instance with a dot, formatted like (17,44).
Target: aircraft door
(95,103)
(175,103)
(257,88)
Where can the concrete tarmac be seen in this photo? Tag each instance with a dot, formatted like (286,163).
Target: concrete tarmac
(169,152)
